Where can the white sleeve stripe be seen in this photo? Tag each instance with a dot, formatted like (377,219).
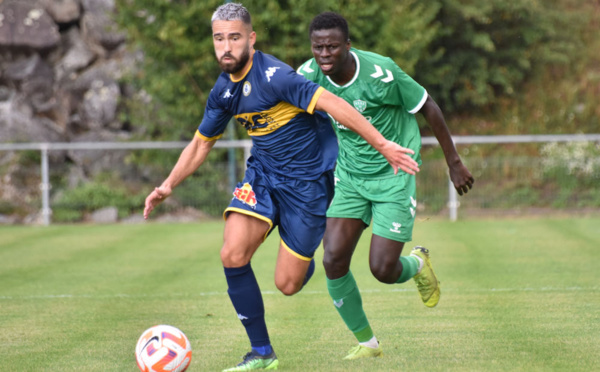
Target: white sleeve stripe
(421,103)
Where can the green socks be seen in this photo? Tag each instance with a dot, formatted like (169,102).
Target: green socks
(348,302)
(410,267)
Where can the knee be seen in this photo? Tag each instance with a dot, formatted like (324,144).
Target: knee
(385,272)
(335,266)
(288,287)
(328,262)
(233,257)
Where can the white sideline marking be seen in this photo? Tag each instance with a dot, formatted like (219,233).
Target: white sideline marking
(224,293)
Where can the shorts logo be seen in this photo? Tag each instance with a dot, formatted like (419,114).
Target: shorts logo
(245,195)
(414,205)
(396,227)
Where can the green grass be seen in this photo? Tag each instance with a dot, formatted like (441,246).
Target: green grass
(518,295)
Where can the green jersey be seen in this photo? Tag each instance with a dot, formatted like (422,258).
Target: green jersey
(387,97)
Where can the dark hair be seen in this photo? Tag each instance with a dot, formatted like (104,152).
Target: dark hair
(328,21)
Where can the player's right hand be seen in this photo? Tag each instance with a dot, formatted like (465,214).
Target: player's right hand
(399,158)
(155,198)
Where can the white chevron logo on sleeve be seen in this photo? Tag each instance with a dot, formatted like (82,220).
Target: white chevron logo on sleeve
(379,72)
(305,68)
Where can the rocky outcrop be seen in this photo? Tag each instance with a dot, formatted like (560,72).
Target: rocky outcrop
(61,69)
(60,63)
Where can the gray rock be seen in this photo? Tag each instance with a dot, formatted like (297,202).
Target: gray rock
(18,124)
(97,25)
(77,57)
(99,107)
(25,25)
(105,215)
(63,11)
(93,162)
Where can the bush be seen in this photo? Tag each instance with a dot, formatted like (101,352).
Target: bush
(73,204)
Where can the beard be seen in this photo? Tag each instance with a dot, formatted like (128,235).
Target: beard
(238,65)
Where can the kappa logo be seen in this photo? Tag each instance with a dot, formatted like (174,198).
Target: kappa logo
(396,227)
(360,105)
(270,72)
(379,73)
(242,317)
(245,194)
(338,303)
(227,94)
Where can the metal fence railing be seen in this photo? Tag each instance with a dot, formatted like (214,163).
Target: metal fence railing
(532,172)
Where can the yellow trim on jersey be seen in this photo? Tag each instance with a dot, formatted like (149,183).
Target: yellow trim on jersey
(275,117)
(251,214)
(295,254)
(209,139)
(313,101)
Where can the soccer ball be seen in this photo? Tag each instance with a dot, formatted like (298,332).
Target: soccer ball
(163,348)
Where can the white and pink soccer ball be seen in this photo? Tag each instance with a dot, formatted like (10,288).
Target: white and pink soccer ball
(163,348)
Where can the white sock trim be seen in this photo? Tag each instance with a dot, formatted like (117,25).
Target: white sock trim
(421,262)
(372,343)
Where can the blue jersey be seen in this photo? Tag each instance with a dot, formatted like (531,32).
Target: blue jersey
(277,107)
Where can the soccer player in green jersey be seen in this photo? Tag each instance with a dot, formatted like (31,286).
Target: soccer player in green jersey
(366,187)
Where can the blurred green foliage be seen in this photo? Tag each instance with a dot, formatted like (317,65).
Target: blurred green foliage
(468,54)
(495,67)
(485,50)
(74,204)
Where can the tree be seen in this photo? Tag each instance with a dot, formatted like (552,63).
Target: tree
(180,67)
(485,50)
(466,53)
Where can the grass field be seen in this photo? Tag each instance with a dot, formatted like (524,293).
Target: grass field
(517,295)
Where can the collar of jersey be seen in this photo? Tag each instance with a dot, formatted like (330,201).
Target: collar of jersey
(355,74)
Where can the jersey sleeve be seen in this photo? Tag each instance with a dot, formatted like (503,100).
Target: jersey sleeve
(407,91)
(295,89)
(215,119)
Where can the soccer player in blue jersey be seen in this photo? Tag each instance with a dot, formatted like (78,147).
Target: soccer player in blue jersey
(288,181)
(365,189)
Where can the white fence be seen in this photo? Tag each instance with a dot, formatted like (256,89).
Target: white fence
(452,203)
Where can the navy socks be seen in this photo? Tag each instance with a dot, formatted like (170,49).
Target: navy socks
(248,303)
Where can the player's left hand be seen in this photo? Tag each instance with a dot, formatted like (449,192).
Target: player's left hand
(399,158)
(461,178)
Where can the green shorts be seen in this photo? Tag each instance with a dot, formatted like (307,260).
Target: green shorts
(390,202)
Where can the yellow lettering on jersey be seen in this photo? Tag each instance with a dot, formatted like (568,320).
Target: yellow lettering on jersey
(265,122)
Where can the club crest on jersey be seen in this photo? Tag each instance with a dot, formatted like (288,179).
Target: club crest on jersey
(245,194)
(247,88)
(360,105)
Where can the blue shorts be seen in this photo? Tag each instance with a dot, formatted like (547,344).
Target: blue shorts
(298,207)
